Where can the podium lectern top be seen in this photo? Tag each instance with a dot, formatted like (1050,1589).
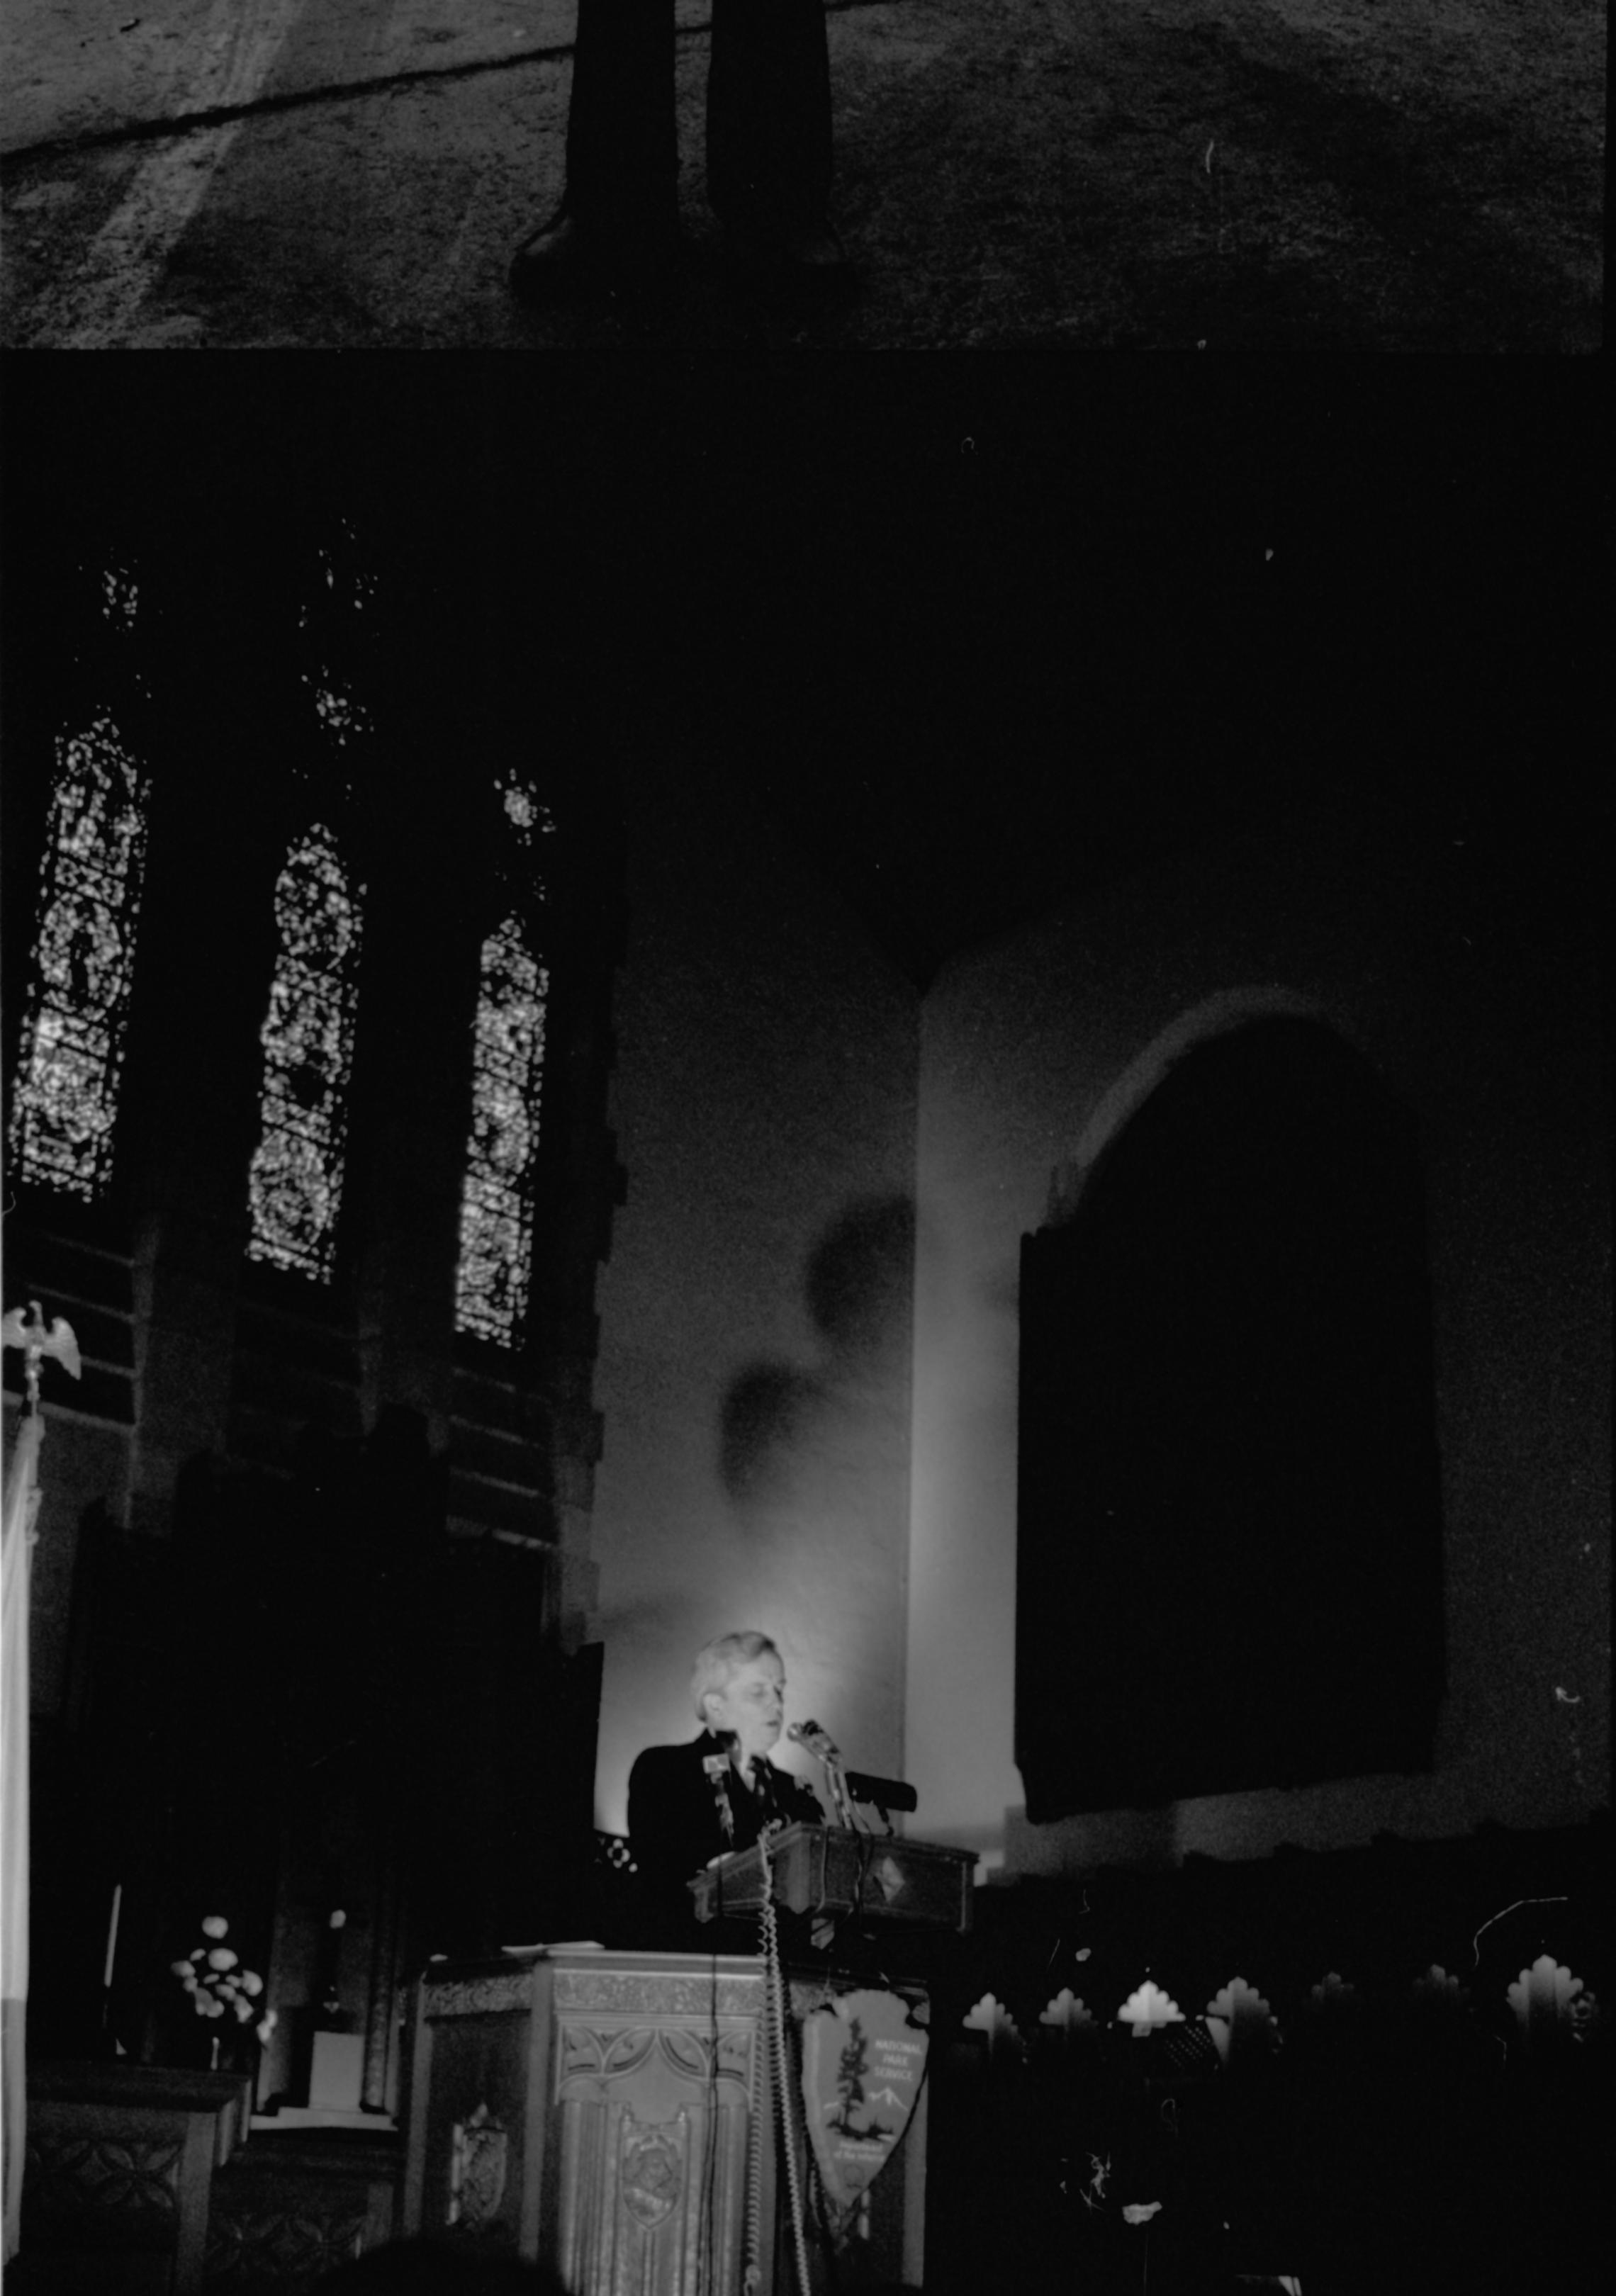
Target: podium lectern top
(825,1869)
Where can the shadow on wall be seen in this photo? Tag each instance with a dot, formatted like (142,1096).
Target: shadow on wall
(858,1290)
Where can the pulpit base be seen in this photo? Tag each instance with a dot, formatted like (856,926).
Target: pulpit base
(601,2113)
(611,2117)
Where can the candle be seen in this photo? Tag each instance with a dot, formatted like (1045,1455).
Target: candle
(112,1932)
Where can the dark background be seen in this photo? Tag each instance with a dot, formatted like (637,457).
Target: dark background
(987,631)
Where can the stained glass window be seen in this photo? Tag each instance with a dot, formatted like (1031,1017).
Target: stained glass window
(342,588)
(341,715)
(119,597)
(508,1057)
(529,820)
(295,1182)
(348,582)
(66,1100)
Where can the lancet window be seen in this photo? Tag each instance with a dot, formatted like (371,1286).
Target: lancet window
(497,1214)
(295,1179)
(64,1107)
(295,1182)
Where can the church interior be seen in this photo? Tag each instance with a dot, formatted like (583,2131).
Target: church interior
(868,1019)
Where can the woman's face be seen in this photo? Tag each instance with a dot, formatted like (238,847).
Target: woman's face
(752,1704)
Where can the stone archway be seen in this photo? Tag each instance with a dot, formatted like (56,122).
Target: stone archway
(1228,1508)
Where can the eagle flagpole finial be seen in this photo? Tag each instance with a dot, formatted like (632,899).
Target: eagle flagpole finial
(35,1341)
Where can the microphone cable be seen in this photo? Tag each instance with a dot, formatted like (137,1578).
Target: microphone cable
(780,2066)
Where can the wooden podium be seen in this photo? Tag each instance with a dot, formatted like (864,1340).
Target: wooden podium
(611,2115)
(594,2111)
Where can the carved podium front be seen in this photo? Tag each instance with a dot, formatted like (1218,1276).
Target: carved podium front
(594,2111)
(611,2115)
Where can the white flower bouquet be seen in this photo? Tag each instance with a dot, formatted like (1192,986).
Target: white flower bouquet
(219,1984)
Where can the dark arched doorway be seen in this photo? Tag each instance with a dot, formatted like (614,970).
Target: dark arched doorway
(1229,1539)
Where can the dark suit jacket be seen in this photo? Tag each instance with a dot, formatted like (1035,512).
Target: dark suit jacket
(675,1827)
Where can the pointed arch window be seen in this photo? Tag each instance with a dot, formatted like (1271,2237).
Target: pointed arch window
(64,1108)
(295,1179)
(330,634)
(1227,1453)
(496,1211)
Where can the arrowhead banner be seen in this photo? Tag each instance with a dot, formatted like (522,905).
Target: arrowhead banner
(862,2065)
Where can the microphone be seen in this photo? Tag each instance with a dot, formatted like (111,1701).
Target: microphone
(816,1741)
(714,1765)
(883,1793)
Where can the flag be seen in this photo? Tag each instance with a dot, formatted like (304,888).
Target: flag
(21,1506)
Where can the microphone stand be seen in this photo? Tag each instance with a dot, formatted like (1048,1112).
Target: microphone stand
(809,1735)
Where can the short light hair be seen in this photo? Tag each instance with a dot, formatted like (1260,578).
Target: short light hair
(725,1655)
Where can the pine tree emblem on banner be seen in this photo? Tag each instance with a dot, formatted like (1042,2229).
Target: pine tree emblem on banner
(862,2065)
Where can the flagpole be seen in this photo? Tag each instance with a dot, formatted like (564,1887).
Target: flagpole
(17,1536)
